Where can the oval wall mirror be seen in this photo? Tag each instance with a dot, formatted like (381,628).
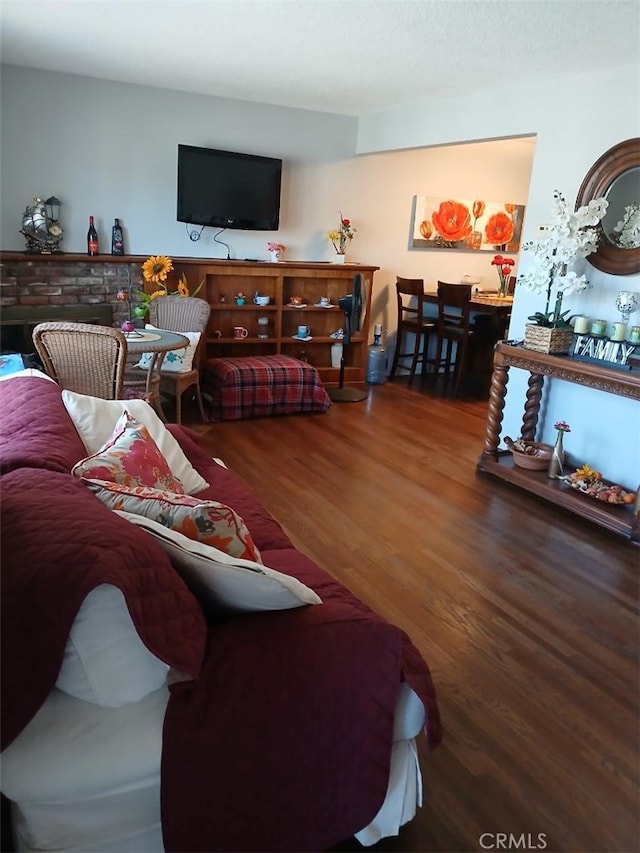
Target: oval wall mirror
(616,176)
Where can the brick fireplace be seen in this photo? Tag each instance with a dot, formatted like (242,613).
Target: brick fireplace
(35,288)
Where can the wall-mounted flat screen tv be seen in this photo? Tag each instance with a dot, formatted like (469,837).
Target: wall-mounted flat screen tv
(223,189)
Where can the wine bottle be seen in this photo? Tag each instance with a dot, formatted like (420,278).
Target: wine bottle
(92,239)
(117,240)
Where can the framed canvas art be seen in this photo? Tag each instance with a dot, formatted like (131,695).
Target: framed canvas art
(471,225)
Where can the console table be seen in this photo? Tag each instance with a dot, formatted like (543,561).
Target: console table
(499,463)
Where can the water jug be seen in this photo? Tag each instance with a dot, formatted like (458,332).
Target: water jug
(377,362)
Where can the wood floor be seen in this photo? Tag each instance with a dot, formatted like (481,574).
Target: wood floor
(527,616)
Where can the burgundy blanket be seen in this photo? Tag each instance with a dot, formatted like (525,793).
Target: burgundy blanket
(283,740)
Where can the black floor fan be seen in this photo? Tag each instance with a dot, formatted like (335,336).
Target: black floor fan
(354,306)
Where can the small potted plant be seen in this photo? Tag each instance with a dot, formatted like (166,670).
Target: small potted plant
(569,236)
(275,251)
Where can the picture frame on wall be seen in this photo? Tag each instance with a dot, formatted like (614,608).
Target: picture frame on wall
(472,225)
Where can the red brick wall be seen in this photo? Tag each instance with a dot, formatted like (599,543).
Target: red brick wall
(66,282)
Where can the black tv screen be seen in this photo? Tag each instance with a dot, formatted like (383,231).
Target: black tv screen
(223,189)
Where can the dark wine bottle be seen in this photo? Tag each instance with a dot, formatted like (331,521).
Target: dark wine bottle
(117,240)
(92,239)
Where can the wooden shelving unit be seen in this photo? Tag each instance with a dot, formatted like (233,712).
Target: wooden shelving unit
(622,519)
(280,281)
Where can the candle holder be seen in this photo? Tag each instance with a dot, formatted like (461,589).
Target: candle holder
(124,295)
(626,303)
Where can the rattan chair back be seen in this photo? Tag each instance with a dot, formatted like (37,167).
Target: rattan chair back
(182,314)
(82,357)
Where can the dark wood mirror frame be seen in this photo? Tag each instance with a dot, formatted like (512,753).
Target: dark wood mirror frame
(613,163)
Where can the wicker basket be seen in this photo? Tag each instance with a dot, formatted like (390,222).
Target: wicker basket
(543,339)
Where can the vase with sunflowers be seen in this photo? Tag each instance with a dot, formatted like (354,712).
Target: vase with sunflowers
(155,271)
(340,237)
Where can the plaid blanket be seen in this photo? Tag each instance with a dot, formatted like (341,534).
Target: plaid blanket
(259,386)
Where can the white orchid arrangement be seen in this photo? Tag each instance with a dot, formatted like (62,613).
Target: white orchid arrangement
(569,236)
(626,233)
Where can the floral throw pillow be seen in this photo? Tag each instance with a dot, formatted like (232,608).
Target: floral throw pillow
(176,360)
(129,457)
(210,522)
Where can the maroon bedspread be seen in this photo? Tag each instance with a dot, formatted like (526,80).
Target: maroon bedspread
(298,711)
(56,547)
(36,430)
(283,740)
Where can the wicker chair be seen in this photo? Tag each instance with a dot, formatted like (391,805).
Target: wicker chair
(182,314)
(82,357)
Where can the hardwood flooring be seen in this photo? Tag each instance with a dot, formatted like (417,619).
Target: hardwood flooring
(526,615)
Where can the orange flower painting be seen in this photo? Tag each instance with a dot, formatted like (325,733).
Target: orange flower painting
(452,221)
(499,229)
(466,225)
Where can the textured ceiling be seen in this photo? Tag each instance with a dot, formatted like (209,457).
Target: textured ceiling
(342,56)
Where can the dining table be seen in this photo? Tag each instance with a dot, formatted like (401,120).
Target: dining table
(498,308)
(145,381)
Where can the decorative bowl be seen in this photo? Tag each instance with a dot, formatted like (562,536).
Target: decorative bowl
(534,455)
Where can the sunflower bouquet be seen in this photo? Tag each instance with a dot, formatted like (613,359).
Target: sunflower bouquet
(155,271)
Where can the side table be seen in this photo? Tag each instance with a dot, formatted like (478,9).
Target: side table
(147,382)
(618,518)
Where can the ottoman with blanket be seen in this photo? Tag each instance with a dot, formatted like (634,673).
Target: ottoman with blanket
(259,386)
(175,675)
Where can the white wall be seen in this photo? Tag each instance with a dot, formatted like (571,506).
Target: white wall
(575,120)
(110,150)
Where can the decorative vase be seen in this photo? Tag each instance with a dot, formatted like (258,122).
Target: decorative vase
(473,240)
(274,256)
(340,259)
(544,339)
(557,458)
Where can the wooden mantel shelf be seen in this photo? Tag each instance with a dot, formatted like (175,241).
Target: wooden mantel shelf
(622,519)
(75,258)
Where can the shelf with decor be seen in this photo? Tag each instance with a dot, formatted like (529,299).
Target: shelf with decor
(281,282)
(622,519)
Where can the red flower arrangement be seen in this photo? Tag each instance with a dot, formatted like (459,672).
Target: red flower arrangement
(504,272)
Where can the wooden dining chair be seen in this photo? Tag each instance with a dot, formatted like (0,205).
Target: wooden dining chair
(411,320)
(454,329)
(83,357)
(182,314)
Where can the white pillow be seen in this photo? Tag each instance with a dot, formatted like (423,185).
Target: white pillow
(176,360)
(217,579)
(95,420)
(105,661)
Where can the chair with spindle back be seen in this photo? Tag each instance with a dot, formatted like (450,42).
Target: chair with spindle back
(454,328)
(411,320)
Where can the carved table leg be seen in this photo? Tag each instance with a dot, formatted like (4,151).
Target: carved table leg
(532,406)
(497,394)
